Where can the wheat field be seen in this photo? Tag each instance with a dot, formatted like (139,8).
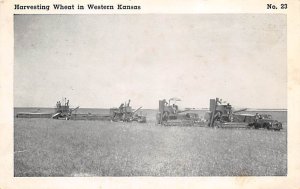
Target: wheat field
(46,147)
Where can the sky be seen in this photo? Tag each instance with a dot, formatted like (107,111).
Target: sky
(100,61)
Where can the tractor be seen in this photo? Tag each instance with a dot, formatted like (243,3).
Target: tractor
(170,115)
(265,121)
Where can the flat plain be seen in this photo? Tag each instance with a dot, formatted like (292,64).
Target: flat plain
(46,147)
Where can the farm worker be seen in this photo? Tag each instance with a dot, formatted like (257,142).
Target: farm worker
(257,116)
(165,102)
(174,108)
(218,101)
(121,107)
(68,103)
(128,103)
(228,106)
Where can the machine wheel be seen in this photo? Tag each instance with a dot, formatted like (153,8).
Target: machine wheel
(266,126)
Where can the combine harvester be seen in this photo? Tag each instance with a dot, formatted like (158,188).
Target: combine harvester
(222,115)
(63,111)
(170,115)
(125,113)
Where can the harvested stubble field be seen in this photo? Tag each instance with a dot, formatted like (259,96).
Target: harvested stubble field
(46,147)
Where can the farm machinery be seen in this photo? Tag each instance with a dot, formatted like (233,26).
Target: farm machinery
(63,111)
(222,115)
(170,115)
(265,121)
(125,113)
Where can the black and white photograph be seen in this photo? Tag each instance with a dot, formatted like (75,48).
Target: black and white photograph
(150,95)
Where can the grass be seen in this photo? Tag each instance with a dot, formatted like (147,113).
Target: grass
(45,147)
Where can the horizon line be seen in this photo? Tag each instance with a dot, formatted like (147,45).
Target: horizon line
(156,108)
